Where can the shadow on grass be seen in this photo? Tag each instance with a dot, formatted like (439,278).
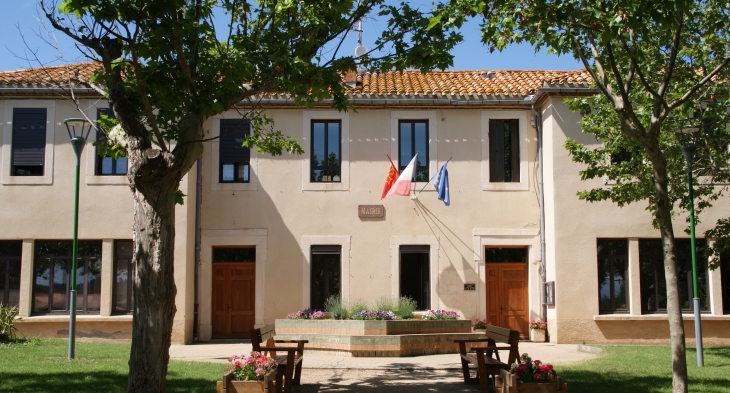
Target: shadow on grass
(91,382)
(610,381)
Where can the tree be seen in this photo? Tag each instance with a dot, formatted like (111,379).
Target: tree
(652,62)
(165,71)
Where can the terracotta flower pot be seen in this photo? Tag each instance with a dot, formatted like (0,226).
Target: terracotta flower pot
(537,335)
(228,385)
(508,383)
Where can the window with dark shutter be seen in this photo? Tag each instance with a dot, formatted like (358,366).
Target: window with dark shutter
(504,151)
(29,141)
(108,166)
(234,158)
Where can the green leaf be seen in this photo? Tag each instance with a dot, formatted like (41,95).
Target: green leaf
(179,197)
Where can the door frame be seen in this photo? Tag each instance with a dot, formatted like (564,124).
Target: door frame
(529,238)
(228,238)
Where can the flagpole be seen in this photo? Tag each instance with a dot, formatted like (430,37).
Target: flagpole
(429,180)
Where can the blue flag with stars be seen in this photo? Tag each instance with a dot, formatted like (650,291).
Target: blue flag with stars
(442,184)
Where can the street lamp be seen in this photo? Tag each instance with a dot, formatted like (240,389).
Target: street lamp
(78,131)
(685,137)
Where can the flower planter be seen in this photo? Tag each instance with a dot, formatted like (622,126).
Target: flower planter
(508,383)
(537,335)
(228,385)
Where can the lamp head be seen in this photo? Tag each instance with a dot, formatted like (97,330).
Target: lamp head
(78,128)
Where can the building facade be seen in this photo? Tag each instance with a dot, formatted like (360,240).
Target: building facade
(279,234)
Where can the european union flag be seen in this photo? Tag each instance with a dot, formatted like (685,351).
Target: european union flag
(442,184)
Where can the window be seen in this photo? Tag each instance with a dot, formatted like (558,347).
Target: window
(504,151)
(29,141)
(51,284)
(326,158)
(234,254)
(414,275)
(124,272)
(326,275)
(108,166)
(505,255)
(725,281)
(234,158)
(653,283)
(612,272)
(10,252)
(412,139)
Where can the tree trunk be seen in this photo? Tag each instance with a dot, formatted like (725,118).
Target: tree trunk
(154,285)
(674,311)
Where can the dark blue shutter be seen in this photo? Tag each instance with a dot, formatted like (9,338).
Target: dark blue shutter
(233,133)
(514,138)
(496,151)
(29,137)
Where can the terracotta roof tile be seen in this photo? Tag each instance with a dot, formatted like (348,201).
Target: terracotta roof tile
(408,83)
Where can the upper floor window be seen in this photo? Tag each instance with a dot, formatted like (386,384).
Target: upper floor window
(29,141)
(504,150)
(613,257)
(108,166)
(235,160)
(10,252)
(326,160)
(412,139)
(653,282)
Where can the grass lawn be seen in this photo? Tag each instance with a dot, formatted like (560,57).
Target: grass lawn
(102,367)
(98,367)
(647,369)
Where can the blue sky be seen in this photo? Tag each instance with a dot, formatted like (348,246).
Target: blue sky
(21,17)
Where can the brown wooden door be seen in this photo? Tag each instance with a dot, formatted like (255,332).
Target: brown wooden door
(506,291)
(233,299)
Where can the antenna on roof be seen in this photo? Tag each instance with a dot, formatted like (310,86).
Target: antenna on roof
(359,50)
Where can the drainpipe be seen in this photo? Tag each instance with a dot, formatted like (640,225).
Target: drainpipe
(198,202)
(541,203)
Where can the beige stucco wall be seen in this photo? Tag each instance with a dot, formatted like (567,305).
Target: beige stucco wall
(282,214)
(572,227)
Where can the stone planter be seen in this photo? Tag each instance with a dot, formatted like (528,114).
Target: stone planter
(228,385)
(537,335)
(508,383)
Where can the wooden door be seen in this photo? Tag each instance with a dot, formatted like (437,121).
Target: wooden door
(233,299)
(506,291)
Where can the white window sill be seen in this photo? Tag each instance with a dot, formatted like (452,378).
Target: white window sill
(218,186)
(27,180)
(505,186)
(107,180)
(341,186)
(657,317)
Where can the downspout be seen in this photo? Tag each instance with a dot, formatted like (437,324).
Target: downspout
(198,202)
(541,204)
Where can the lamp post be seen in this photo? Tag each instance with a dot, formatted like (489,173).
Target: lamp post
(688,149)
(78,131)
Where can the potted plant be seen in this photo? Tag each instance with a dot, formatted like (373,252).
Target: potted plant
(530,376)
(537,330)
(481,324)
(255,373)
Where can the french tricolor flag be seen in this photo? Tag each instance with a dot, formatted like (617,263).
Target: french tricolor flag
(402,186)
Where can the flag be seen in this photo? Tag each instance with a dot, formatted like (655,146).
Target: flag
(402,186)
(392,175)
(442,184)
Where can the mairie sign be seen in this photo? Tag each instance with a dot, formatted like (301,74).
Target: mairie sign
(370,211)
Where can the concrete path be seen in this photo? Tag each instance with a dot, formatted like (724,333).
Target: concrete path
(218,352)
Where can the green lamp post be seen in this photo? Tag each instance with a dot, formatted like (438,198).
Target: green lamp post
(685,135)
(78,131)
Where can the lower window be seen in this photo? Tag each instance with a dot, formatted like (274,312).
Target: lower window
(10,252)
(613,267)
(52,276)
(124,272)
(414,274)
(653,282)
(326,275)
(725,276)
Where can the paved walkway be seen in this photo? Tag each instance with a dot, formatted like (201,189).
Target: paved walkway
(218,352)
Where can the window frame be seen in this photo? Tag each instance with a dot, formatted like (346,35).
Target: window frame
(213,124)
(5,261)
(612,257)
(329,249)
(99,159)
(236,164)
(525,135)
(514,149)
(423,249)
(7,142)
(83,309)
(312,165)
(417,168)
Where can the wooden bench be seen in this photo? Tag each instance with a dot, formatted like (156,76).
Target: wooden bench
(486,358)
(289,371)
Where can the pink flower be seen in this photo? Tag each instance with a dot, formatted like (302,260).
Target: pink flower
(538,376)
(237,363)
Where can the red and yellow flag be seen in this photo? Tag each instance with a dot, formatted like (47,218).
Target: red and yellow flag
(392,176)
